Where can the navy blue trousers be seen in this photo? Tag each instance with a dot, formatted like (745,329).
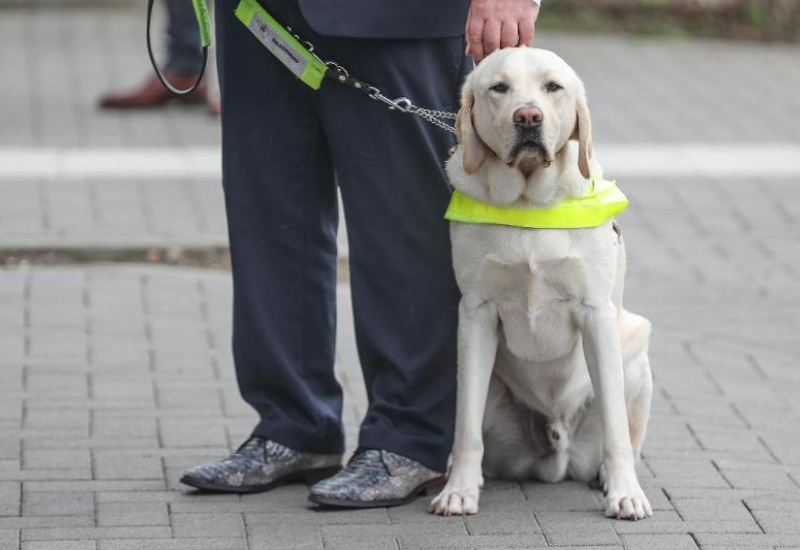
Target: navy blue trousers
(286,149)
(184,55)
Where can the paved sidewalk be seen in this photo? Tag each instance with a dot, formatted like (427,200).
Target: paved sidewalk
(114,379)
(56,63)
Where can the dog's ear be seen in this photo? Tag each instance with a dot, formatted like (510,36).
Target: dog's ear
(583,133)
(473,148)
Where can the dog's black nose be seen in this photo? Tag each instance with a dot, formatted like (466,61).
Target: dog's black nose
(528,117)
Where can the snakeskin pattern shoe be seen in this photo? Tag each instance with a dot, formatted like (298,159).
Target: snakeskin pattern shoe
(259,465)
(375,479)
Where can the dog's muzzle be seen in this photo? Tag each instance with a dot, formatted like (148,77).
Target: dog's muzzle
(529,140)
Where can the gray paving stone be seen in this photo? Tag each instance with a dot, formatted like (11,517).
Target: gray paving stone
(416,542)
(659,542)
(287,536)
(787,522)
(112,426)
(59,486)
(9,539)
(577,528)
(569,496)
(9,499)
(132,513)
(745,540)
(95,533)
(773,502)
(76,421)
(122,465)
(297,510)
(507,522)
(191,432)
(61,545)
(361,542)
(355,530)
(28,522)
(207,525)
(54,459)
(172,544)
(58,504)
(712,509)
(744,479)
(671,523)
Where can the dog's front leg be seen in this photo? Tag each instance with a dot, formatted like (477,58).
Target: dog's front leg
(601,343)
(477,348)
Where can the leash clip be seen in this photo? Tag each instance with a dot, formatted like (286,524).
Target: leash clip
(402,104)
(338,68)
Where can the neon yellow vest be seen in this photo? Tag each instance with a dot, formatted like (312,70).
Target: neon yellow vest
(603,201)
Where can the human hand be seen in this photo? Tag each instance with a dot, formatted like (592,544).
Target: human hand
(493,24)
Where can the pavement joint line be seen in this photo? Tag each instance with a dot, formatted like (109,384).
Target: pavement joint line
(738,160)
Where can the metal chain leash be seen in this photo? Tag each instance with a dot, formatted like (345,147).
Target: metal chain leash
(435,117)
(403,104)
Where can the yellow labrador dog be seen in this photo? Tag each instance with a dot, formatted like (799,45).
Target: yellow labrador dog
(554,380)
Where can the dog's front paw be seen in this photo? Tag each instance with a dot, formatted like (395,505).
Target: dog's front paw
(626,500)
(456,499)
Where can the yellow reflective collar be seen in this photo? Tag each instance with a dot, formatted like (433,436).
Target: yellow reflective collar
(603,201)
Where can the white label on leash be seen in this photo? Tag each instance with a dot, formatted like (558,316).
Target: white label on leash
(279,47)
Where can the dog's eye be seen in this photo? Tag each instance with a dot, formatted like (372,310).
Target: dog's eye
(500,88)
(552,87)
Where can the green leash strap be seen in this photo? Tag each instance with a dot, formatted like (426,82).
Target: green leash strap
(298,56)
(204,24)
(286,48)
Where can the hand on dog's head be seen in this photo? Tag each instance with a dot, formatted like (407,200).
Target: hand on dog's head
(523,105)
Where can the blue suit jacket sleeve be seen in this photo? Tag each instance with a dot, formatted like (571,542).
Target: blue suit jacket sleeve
(386,18)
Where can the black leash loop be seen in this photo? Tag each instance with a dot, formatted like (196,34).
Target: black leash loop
(159,74)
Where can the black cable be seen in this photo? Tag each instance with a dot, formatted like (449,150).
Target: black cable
(160,76)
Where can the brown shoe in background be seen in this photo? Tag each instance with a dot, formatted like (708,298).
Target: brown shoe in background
(214,106)
(153,94)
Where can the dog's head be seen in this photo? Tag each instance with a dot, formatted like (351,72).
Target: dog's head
(523,105)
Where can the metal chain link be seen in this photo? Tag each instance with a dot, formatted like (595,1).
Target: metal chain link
(405,105)
(402,104)
(435,117)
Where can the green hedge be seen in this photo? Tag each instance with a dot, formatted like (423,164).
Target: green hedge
(753,19)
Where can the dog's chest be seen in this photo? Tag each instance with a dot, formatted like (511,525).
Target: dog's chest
(536,303)
(541,281)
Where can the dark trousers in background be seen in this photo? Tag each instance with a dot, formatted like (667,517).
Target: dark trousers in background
(184,55)
(285,150)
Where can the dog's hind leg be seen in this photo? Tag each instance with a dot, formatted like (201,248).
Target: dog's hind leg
(552,468)
(516,439)
(586,451)
(510,453)
(635,336)
(639,408)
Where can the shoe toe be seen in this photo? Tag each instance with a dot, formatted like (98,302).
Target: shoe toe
(194,477)
(322,489)
(204,476)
